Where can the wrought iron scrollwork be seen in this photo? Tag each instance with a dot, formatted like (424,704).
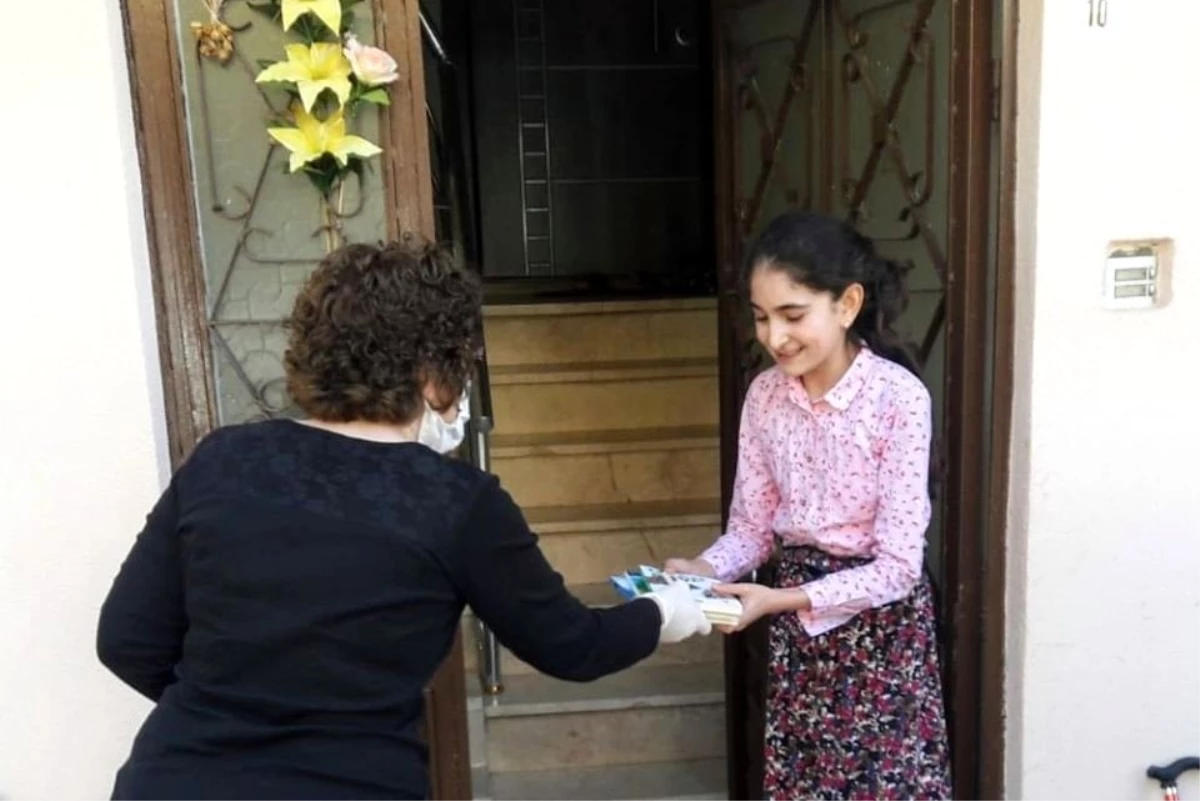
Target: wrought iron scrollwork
(236,219)
(865,102)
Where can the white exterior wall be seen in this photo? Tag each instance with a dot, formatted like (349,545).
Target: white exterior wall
(1104,597)
(82,433)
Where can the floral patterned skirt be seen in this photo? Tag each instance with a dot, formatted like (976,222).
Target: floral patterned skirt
(855,712)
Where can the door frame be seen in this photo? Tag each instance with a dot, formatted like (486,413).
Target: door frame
(977,485)
(176,266)
(979,334)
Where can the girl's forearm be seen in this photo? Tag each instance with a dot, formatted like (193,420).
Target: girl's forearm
(795,600)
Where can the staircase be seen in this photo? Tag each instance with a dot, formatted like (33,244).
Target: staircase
(606,435)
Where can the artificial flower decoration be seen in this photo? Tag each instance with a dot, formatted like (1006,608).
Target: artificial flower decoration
(331,77)
(328,11)
(313,69)
(214,38)
(312,138)
(372,66)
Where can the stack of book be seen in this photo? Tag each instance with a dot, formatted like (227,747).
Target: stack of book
(720,610)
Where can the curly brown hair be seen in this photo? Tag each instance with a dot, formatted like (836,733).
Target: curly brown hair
(374,324)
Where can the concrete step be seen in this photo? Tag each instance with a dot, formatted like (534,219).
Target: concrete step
(594,556)
(639,716)
(693,779)
(594,467)
(589,542)
(592,518)
(612,396)
(589,442)
(594,372)
(692,651)
(569,333)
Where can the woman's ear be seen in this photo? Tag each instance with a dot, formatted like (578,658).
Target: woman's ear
(850,304)
(435,395)
(440,398)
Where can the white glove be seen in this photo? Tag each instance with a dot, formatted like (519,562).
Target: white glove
(681,615)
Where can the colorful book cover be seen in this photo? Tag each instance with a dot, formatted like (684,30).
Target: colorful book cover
(719,609)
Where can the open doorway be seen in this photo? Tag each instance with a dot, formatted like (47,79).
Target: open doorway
(581,150)
(572,144)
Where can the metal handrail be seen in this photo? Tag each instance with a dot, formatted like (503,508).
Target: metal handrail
(481,421)
(480,427)
(430,36)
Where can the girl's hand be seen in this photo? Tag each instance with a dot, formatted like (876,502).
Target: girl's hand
(759,601)
(697,567)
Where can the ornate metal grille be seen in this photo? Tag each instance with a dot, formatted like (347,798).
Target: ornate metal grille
(837,109)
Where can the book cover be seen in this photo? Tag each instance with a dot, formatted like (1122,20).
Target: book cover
(719,609)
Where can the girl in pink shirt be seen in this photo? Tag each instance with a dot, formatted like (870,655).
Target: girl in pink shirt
(833,465)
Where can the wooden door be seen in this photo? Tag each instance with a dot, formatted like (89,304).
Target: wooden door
(231,236)
(844,106)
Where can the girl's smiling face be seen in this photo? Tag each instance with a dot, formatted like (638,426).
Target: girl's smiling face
(804,330)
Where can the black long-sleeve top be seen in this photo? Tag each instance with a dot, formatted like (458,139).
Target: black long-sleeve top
(293,592)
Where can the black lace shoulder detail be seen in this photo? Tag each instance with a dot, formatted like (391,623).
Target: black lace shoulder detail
(386,485)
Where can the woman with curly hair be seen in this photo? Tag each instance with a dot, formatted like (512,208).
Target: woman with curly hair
(299,581)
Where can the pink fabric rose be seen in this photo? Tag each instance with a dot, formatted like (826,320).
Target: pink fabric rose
(372,66)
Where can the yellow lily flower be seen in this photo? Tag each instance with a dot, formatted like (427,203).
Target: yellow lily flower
(313,70)
(328,11)
(313,138)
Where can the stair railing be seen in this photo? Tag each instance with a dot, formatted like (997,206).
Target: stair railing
(450,195)
(479,434)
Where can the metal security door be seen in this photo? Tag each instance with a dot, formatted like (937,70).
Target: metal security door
(844,106)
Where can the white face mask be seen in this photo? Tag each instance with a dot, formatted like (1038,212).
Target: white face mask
(439,435)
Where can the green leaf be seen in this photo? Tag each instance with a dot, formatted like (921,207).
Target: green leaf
(315,30)
(324,173)
(306,27)
(378,96)
(271,9)
(312,29)
(321,185)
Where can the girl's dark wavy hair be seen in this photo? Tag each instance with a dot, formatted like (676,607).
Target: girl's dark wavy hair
(373,323)
(827,254)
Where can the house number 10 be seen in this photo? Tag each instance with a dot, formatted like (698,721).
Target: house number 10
(1097,13)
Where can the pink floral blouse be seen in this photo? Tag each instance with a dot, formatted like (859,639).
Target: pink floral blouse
(847,473)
